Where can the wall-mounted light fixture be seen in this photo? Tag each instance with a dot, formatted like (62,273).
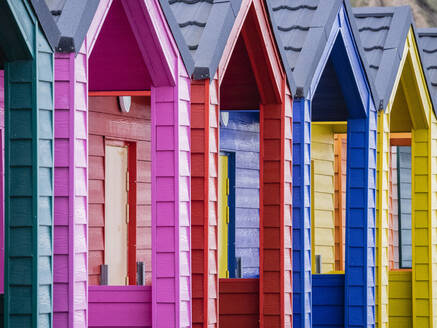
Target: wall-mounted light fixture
(124,102)
(224,118)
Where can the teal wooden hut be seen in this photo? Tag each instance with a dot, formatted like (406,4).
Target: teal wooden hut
(26,56)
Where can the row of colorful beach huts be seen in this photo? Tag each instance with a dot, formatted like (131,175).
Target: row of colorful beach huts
(206,163)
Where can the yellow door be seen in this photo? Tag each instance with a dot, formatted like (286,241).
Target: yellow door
(116,221)
(224,217)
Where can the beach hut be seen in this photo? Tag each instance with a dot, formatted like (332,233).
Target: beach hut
(26,56)
(405,296)
(238,89)
(324,65)
(122,178)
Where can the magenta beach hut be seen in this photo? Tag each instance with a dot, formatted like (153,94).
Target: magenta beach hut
(122,178)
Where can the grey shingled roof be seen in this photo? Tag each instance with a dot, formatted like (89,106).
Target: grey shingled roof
(301,29)
(201,29)
(428,51)
(383,32)
(73,19)
(49,27)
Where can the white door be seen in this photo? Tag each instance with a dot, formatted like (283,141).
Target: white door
(116,220)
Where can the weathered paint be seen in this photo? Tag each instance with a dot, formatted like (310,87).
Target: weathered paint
(29,154)
(415,105)
(360,199)
(241,136)
(170,99)
(252,28)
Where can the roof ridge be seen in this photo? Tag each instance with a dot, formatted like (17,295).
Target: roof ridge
(294,8)
(190,2)
(293,27)
(373,29)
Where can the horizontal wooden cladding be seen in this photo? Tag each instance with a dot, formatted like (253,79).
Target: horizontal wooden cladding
(106,122)
(239,303)
(400,298)
(127,306)
(328,300)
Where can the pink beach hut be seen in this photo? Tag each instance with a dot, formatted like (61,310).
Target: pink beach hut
(122,178)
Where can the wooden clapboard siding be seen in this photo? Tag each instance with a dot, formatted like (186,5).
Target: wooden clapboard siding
(204,132)
(107,122)
(323,222)
(239,303)
(382,214)
(288,209)
(340,146)
(241,136)
(400,301)
(302,309)
(28,174)
(328,300)
(71,191)
(170,197)
(115,306)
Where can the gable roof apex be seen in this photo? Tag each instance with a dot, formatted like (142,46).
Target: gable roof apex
(301,30)
(69,20)
(201,30)
(383,32)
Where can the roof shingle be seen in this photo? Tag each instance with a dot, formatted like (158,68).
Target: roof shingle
(428,45)
(383,32)
(302,29)
(201,29)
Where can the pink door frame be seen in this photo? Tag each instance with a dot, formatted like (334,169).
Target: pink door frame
(170,101)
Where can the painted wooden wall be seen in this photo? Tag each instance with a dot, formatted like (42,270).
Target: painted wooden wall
(323,188)
(328,300)
(382,215)
(29,178)
(239,303)
(71,190)
(400,299)
(340,149)
(302,277)
(241,136)
(115,306)
(171,213)
(204,136)
(404,180)
(107,122)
